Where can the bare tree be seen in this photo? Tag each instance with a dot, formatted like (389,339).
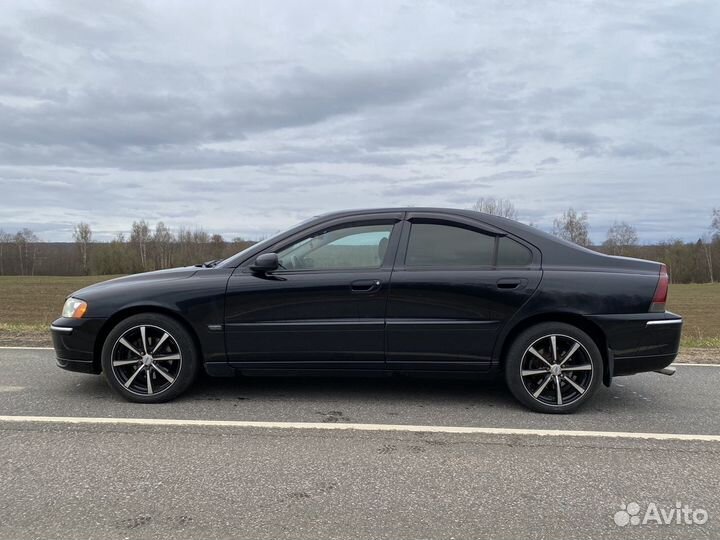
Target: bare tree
(25,241)
(163,240)
(620,237)
(140,237)
(82,234)
(706,242)
(715,223)
(5,238)
(217,245)
(199,236)
(496,207)
(573,227)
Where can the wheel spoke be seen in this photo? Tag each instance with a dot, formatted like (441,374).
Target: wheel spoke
(131,379)
(168,357)
(575,385)
(559,392)
(149,384)
(584,367)
(534,352)
(542,386)
(159,343)
(572,350)
(144,339)
(117,363)
(529,372)
(125,342)
(162,372)
(553,343)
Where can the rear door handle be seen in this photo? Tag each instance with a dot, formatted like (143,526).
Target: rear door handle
(365,286)
(511,283)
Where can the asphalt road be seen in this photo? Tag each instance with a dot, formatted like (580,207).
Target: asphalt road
(60,480)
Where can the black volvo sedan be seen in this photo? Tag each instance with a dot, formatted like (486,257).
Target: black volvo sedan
(403,290)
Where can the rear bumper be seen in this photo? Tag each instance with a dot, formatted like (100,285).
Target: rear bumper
(641,342)
(74,344)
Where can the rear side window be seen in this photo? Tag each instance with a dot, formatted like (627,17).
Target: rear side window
(432,244)
(512,253)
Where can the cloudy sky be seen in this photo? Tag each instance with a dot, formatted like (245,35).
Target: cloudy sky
(246,117)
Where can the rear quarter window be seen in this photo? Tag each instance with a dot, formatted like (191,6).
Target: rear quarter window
(512,253)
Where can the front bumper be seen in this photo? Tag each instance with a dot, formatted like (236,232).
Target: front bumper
(74,343)
(641,342)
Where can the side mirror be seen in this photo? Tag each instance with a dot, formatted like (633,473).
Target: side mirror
(267,262)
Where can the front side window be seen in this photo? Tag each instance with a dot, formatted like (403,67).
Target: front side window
(432,244)
(362,246)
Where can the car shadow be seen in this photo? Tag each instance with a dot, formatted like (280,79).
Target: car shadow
(394,394)
(354,389)
(401,391)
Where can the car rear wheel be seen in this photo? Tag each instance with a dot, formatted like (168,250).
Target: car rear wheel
(149,358)
(553,368)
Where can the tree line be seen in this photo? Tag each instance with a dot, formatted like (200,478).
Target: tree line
(146,248)
(153,248)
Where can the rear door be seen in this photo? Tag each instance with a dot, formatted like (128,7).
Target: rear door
(454,284)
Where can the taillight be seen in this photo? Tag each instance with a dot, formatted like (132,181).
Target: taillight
(661,292)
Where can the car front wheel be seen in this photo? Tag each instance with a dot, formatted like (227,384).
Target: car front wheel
(149,358)
(553,368)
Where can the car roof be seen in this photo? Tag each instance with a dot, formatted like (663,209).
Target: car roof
(355,211)
(508,225)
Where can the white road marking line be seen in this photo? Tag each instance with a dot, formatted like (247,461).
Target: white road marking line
(28,348)
(694,365)
(77,420)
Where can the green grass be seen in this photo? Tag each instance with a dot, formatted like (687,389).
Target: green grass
(31,303)
(38,300)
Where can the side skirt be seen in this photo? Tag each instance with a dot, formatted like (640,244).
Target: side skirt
(221,369)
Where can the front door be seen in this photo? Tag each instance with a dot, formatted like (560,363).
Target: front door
(323,308)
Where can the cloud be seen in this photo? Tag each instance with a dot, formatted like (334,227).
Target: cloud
(584,143)
(435,188)
(638,151)
(548,161)
(245,121)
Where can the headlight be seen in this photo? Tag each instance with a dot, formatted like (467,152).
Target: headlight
(74,308)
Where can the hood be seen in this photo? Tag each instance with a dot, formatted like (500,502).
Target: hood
(145,277)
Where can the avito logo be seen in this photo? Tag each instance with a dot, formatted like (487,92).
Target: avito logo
(680,514)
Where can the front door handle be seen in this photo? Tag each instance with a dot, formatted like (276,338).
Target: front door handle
(365,286)
(511,283)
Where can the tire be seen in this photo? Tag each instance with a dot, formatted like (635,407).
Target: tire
(166,371)
(533,373)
